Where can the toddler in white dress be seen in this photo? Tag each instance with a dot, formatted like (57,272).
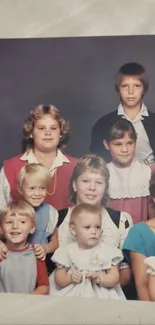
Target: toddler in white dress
(87,267)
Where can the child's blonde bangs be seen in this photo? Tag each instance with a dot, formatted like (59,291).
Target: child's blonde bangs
(37,171)
(20,207)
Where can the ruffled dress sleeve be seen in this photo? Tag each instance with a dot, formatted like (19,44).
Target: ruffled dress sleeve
(106,256)
(61,257)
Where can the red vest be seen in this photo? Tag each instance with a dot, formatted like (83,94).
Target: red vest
(60,198)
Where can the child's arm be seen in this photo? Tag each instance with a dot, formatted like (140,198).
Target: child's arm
(151,285)
(140,275)
(150,263)
(111,278)
(3,251)
(42,250)
(63,278)
(52,229)
(42,282)
(124,272)
(52,244)
(125,276)
(41,290)
(5,195)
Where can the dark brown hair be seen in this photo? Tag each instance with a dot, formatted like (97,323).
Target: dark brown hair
(118,130)
(132,69)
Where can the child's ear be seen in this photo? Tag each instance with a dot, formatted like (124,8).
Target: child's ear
(32,230)
(18,189)
(72,229)
(74,186)
(106,144)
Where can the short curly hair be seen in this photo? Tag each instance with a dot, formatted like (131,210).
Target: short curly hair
(37,113)
(93,163)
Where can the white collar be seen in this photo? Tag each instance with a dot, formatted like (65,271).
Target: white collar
(143,112)
(59,160)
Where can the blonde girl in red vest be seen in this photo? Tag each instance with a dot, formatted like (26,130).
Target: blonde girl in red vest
(45,134)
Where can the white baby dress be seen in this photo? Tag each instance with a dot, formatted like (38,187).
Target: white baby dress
(98,258)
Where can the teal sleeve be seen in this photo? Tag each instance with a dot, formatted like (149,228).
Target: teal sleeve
(134,242)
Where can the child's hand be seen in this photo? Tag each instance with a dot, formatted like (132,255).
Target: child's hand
(39,251)
(3,251)
(76,276)
(94,277)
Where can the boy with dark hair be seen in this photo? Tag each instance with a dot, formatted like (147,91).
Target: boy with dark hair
(131,84)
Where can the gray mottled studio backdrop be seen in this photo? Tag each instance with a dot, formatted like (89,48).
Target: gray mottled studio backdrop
(75,74)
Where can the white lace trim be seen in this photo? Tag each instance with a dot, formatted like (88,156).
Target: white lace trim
(130,182)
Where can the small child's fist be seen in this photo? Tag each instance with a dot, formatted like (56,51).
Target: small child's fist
(3,251)
(39,251)
(76,276)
